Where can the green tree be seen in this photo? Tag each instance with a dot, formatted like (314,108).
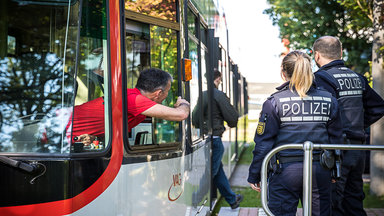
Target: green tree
(373,11)
(303,21)
(377,172)
(360,26)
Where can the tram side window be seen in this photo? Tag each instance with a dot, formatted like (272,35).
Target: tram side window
(198,115)
(194,86)
(224,71)
(152,46)
(199,124)
(88,117)
(194,82)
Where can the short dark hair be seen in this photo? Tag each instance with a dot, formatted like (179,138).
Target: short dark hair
(216,74)
(153,79)
(329,47)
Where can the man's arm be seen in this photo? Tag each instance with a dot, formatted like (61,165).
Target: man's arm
(373,105)
(229,113)
(178,113)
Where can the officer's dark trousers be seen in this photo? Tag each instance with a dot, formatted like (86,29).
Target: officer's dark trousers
(286,188)
(347,193)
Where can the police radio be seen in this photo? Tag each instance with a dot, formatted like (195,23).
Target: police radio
(336,171)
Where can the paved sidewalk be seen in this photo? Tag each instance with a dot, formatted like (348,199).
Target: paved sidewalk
(239,179)
(227,211)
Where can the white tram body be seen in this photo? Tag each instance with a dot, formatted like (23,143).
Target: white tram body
(165,187)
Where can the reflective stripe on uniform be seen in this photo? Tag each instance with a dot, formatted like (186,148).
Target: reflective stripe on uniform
(304,118)
(343,75)
(355,92)
(308,98)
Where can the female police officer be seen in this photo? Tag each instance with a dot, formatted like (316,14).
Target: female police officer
(296,113)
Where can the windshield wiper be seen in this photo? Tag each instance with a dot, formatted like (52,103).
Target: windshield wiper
(18,164)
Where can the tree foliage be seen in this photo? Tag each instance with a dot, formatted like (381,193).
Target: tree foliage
(304,21)
(164,9)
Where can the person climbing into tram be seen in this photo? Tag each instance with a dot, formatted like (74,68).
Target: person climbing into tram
(297,112)
(360,106)
(222,110)
(145,99)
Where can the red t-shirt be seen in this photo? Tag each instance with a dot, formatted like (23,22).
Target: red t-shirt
(137,103)
(89,117)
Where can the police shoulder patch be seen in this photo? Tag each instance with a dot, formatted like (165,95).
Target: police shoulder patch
(260,128)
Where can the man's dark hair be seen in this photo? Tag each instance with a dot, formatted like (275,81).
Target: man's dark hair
(153,79)
(216,74)
(329,47)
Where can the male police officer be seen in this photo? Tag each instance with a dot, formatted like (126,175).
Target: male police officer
(360,106)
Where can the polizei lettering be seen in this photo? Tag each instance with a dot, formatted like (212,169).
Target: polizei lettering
(349,83)
(307,108)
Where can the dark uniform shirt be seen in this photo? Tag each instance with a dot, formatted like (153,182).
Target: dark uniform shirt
(292,119)
(372,105)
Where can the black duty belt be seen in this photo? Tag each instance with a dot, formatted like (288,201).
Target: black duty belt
(354,141)
(288,159)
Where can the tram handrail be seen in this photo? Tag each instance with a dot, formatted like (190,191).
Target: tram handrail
(307,169)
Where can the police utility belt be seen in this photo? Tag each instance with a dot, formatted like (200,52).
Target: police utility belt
(326,158)
(330,160)
(289,159)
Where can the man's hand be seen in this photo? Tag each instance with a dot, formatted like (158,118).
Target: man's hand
(99,72)
(180,101)
(255,187)
(86,139)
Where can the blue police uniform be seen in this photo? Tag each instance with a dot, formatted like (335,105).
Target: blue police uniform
(360,106)
(285,119)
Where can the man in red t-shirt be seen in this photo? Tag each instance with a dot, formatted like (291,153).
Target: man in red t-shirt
(152,88)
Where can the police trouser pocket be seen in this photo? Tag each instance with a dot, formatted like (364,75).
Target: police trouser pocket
(274,166)
(327,159)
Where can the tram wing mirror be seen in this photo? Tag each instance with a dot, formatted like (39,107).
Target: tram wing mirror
(141,138)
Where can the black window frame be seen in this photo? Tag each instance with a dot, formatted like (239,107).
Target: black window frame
(152,21)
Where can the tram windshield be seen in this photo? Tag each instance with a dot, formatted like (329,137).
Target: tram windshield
(49,66)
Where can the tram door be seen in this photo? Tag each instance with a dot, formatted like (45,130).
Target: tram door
(213,52)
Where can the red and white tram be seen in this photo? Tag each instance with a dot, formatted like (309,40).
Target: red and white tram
(58,54)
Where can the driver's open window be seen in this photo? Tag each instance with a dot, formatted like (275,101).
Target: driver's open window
(152,46)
